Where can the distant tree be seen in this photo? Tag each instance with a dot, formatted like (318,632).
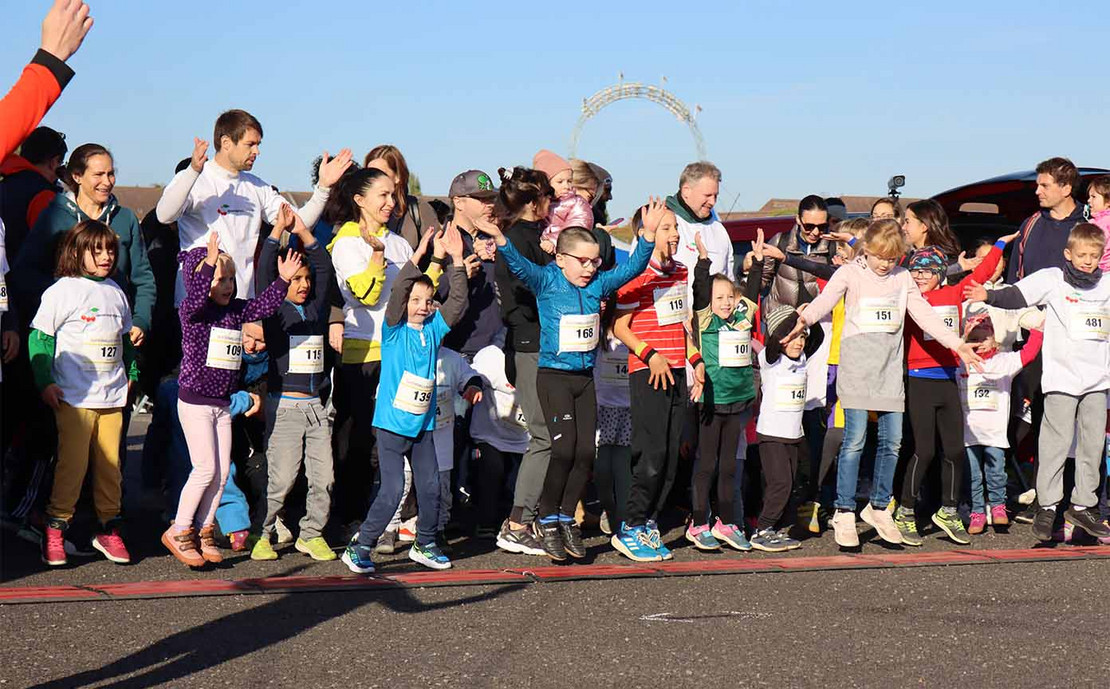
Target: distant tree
(414,184)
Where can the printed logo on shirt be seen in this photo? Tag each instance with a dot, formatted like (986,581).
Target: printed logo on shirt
(226,209)
(90,315)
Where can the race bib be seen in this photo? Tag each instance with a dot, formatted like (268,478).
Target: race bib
(879,315)
(578,333)
(670,304)
(1089,323)
(445,408)
(414,394)
(101,353)
(306,354)
(225,349)
(790,393)
(982,394)
(951,317)
(508,411)
(613,368)
(734,348)
(3,294)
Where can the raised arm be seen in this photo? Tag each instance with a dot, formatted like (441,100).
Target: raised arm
(396,307)
(455,306)
(175,197)
(267,304)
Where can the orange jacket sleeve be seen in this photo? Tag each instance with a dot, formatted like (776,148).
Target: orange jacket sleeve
(23,107)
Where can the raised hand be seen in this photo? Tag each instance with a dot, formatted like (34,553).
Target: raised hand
(452,243)
(757,247)
(491,228)
(288,266)
(65,27)
(548,246)
(1007,238)
(703,253)
(975,292)
(773,252)
(213,248)
(799,328)
(286,218)
(652,214)
(966,351)
(422,247)
(838,236)
(200,154)
(968,264)
(331,170)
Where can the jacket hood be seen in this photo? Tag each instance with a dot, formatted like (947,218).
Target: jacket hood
(15,163)
(190,259)
(68,203)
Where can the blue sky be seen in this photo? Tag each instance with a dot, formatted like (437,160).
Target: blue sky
(799,97)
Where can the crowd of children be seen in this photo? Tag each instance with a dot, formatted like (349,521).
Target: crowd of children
(498,370)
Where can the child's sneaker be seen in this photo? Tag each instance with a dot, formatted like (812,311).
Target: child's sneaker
(603,524)
(998,516)
(357,558)
(948,520)
(572,539)
(316,548)
(786,541)
(208,548)
(732,535)
(634,542)
(551,539)
(906,522)
(282,532)
(238,540)
(1087,520)
(978,523)
(883,523)
(387,543)
(183,546)
(429,555)
(844,529)
(53,544)
(407,532)
(657,540)
(808,517)
(768,541)
(701,537)
(1103,539)
(521,540)
(111,546)
(262,550)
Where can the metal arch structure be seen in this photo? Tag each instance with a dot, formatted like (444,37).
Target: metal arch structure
(634,90)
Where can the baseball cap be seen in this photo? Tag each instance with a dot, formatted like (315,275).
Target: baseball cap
(474,183)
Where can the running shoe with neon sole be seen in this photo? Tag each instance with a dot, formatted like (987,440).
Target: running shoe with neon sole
(978,523)
(316,548)
(657,540)
(732,536)
(429,555)
(948,520)
(263,550)
(357,558)
(702,537)
(808,517)
(634,542)
(906,522)
(768,541)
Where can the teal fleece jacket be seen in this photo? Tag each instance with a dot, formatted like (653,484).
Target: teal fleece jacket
(33,271)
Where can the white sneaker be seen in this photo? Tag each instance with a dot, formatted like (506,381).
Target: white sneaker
(284,535)
(883,523)
(844,529)
(1027,497)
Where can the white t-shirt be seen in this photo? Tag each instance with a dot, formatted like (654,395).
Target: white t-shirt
(351,256)
(783,386)
(611,374)
(88,320)
(234,205)
(1076,351)
(497,419)
(985,398)
(452,372)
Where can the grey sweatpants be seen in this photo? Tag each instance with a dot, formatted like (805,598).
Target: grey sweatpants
(293,424)
(1065,415)
(533,467)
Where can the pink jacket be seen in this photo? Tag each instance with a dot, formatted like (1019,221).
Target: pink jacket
(570,210)
(1102,219)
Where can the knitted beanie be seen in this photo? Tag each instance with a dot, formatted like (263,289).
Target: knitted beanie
(549,163)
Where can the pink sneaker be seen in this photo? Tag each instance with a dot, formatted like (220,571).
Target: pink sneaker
(238,540)
(978,523)
(53,546)
(111,546)
(999,517)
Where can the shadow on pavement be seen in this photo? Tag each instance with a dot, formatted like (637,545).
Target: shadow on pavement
(239,634)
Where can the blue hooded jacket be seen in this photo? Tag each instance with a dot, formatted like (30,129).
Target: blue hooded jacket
(557,297)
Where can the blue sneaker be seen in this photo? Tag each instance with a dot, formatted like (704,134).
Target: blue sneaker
(429,555)
(657,540)
(702,538)
(357,557)
(731,535)
(786,541)
(634,542)
(768,541)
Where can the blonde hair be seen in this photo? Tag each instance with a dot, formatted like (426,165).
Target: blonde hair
(855,227)
(1086,233)
(884,239)
(222,260)
(583,177)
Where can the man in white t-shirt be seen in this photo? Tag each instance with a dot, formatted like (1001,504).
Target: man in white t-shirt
(222,196)
(698,187)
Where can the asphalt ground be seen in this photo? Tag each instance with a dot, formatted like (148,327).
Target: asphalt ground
(1019,624)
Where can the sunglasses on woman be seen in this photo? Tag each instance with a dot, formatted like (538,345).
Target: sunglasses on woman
(584,261)
(811,226)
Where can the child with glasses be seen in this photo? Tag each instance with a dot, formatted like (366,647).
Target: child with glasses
(568,296)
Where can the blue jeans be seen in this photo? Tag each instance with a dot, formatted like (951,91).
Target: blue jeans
(993,460)
(392,449)
(886,458)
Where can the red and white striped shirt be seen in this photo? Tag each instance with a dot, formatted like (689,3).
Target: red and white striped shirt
(641,296)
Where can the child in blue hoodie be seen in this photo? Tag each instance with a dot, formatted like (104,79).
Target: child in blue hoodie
(569,301)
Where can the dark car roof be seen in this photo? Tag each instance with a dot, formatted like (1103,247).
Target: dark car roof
(1012,194)
(743,229)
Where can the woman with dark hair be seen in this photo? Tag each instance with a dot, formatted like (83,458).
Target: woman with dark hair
(926,224)
(411,214)
(521,211)
(90,177)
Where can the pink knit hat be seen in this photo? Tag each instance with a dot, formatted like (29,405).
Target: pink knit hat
(549,163)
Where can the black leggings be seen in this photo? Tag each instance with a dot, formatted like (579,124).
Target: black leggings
(489,483)
(718,440)
(778,458)
(352,439)
(570,407)
(935,409)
